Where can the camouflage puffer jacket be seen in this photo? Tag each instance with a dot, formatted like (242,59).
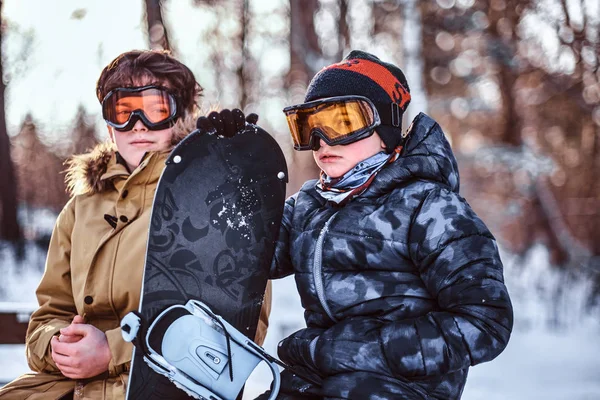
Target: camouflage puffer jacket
(402,288)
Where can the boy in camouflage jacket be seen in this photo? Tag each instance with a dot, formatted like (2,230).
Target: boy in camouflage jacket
(401,282)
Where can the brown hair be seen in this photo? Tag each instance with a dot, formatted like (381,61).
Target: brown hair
(156,65)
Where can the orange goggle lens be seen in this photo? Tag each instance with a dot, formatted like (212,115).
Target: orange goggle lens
(337,120)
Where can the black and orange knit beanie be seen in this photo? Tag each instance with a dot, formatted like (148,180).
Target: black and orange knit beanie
(363,74)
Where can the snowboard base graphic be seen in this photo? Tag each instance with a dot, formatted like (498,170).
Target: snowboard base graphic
(214,222)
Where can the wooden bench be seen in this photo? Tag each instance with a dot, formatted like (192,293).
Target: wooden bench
(14,318)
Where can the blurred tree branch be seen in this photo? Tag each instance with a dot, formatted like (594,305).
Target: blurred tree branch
(547,103)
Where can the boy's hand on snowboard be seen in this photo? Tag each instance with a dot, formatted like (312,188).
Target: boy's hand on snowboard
(87,357)
(226,123)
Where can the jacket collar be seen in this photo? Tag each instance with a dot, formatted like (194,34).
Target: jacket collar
(426,155)
(117,173)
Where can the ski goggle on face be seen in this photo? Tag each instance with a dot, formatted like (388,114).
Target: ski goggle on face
(155,106)
(336,120)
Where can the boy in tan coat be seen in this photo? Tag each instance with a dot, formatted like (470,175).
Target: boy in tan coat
(96,256)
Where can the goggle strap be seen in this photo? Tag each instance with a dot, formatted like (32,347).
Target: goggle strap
(391,117)
(396,115)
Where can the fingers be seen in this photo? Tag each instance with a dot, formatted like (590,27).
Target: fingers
(204,125)
(228,123)
(70,372)
(68,366)
(252,118)
(60,348)
(238,119)
(225,123)
(66,336)
(71,334)
(64,361)
(216,121)
(69,338)
(78,329)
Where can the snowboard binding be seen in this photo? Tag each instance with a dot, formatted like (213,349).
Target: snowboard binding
(198,351)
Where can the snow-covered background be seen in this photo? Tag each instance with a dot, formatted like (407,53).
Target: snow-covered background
(553,354)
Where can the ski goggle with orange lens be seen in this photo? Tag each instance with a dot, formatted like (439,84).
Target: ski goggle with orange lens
(337,120)
(155,106)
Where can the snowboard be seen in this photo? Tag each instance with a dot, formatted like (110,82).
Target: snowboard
(214,222)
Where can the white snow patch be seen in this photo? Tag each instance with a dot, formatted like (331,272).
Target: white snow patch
(13,362)
(20,278)
(539,364)
(17,294)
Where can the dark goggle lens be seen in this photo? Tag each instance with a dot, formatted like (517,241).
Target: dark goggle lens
(338,121)
(157,105)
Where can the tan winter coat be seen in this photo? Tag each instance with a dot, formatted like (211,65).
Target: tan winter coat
(95,271)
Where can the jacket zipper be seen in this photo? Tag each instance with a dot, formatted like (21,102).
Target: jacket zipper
(317,269)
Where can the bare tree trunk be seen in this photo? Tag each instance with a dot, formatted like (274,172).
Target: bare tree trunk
(343,29)
(306,59)
(504,55)
(413,60)
(158,39)
(241,72)
(9,224)
(83,133)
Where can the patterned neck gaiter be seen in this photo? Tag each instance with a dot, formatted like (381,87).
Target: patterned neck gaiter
(354,182)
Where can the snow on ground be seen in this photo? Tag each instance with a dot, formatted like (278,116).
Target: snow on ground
(553,354)
(554,350)
(17,293)
(13,362)
(538,364)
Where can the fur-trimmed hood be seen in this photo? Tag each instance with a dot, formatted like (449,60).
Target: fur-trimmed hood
(84,171)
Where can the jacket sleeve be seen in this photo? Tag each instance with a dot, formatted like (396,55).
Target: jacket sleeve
(458,261)
(282,264)
(55,296)
(120,350)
